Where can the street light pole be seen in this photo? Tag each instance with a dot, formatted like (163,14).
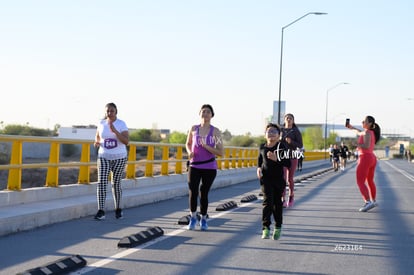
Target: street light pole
(281,57)
(326,113)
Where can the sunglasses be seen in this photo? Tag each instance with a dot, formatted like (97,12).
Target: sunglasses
(272,132)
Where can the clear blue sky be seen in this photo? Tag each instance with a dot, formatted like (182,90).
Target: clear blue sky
(160,60)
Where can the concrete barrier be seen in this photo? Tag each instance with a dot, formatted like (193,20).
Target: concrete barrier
(35,207)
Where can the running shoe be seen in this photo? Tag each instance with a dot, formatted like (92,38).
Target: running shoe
(285,203)
(118,213)
(291,201)
(192,224)
(277,233)
(266,233)
(367,206)
(203,225)
(100,215)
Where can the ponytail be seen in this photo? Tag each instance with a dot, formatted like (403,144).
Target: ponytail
(375,128)
(377,132)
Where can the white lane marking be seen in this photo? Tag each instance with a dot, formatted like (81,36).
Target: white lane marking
(129,251)
(404,173)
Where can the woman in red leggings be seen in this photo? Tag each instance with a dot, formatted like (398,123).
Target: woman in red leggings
(367,161)
(292,137)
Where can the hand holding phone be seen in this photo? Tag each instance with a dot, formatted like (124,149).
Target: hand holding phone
(347,122)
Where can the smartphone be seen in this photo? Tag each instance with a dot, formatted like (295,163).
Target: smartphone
(347,122)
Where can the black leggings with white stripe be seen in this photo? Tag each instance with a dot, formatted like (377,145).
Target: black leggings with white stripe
(106,166)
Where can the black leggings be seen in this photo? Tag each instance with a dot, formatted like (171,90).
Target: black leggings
(206,178)
(272,204)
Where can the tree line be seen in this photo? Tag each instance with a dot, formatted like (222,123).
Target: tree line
(312,137)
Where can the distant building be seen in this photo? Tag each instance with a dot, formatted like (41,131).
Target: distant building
(78,132)
(274,118)
(164,133)
(89,132)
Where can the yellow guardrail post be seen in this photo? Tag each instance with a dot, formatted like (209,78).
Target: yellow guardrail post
(233,158)
(150,158)
(240,158)
(226,156)
(53,171)
(15,174)
(132,156)
(164,164)
(179,163)
(83,176)
(219,163)
(246,158)
(255,155)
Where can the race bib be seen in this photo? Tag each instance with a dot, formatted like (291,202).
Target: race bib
(110,143)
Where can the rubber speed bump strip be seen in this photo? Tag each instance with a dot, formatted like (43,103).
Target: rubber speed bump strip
(141,237)
(62,266)
(184,220)
(248,198)
(226,206)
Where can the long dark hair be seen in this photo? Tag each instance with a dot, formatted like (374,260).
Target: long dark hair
(375,128)
(293,118)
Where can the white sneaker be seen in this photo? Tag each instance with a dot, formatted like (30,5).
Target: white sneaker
(367,206)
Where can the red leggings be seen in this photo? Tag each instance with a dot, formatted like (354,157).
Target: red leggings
(365,173)
(289,173)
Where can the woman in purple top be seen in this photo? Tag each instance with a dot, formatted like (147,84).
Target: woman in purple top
(203,144)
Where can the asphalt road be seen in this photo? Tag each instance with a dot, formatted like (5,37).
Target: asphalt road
(322,234)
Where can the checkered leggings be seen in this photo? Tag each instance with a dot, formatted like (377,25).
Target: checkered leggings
(105,166)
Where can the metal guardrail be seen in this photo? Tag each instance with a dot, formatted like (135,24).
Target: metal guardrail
(234,157)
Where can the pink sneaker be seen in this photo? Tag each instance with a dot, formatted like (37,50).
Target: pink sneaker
(291,201)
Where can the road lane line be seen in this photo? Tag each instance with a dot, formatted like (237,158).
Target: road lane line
(403,172)
(130,251)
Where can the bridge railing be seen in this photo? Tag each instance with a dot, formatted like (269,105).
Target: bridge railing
(169,157)
(166,158)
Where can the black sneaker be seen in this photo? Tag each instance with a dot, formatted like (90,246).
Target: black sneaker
(100,215)
(118,213)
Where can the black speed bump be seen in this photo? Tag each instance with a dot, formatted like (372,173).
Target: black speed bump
(184,220)
(226,206)
(62,266)
(248,198)
(141,237)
